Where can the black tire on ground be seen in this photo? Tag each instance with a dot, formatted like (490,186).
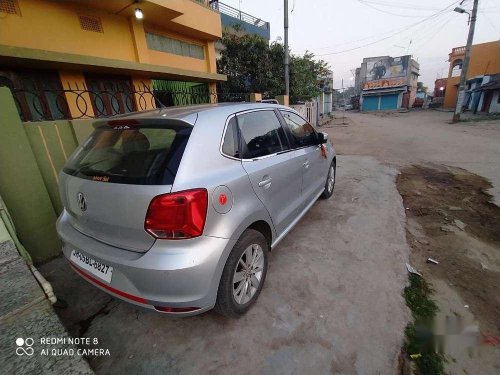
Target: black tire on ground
(226,303)
(327,194)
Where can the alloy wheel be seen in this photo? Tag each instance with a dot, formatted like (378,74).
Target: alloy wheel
(331,179)
(248,274)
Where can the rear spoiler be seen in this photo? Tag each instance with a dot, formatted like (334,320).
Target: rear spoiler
(130,123)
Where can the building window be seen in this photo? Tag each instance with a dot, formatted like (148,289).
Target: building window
(110,95)
(38,94)
(456,70)
(10,7)
(90,23)
(177,47)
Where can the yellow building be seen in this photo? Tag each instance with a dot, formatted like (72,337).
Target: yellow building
(92,58)
(484,60)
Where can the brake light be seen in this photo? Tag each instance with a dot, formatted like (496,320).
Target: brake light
(177,216)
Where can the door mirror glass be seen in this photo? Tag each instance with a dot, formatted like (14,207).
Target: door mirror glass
(322,138)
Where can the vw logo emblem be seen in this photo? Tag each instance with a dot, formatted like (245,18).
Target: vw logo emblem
(82,203)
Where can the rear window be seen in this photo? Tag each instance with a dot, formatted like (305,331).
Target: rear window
(230,145)
(141,156)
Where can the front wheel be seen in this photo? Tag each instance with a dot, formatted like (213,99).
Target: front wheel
(330,181)
(244,274)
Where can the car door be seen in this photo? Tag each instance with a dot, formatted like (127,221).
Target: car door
(314,163)
(275,177)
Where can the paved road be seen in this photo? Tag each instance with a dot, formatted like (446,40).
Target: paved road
(331,304)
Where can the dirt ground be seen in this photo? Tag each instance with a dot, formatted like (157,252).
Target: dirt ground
(421,136)
(450,217)
(451,220)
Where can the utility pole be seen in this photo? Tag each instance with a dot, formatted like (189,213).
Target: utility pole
(287,64)
(465,64)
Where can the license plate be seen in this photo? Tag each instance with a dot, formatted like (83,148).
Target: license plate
(96,268)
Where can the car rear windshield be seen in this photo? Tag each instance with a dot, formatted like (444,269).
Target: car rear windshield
(141,155)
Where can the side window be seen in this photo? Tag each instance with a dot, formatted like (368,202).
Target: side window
(261,134)
(302,132)
(230,144)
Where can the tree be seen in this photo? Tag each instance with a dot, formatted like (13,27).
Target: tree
(304,73)
(252,65)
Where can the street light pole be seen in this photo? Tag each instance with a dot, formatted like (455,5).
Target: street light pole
(465,64)
(287,67)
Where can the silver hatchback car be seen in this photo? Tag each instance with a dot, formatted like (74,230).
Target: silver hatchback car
(176,209)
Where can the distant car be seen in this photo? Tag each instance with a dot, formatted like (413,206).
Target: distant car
(348,107)
(176,209)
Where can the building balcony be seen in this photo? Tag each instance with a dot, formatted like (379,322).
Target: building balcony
(249,24)
(457,51)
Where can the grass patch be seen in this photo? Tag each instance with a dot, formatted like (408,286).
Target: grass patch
(419,337)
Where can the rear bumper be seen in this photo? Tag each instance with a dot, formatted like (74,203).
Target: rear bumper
(172,274)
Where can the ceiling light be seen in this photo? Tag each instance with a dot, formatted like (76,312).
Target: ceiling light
(138,14)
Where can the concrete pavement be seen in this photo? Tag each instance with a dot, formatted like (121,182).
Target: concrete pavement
(26,317)
(331,304)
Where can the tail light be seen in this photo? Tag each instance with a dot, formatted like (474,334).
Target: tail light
(177,216)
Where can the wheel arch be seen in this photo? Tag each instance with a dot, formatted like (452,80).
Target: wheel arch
(263,227)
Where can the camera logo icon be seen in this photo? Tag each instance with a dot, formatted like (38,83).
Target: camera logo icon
(25,346)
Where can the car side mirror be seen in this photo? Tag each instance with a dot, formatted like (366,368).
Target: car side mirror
(322,138)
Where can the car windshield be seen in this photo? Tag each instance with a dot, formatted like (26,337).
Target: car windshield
(142,155)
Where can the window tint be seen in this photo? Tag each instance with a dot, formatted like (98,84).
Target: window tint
(261,134)
(142,156)
(302,132)
(230,145)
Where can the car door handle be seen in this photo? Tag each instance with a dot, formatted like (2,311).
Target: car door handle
(265,183)
(306,165)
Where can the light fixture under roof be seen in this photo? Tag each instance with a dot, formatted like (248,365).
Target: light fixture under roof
(138,13)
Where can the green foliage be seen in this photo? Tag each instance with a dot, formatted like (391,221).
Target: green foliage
(419,337)
(252,65)
(417,298)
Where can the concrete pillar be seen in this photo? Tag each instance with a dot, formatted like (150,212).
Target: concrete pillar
(139,37)
(79,101)
(255,97)
(283,99)
(22,187)
(211,58)
(212,90)
(143,97)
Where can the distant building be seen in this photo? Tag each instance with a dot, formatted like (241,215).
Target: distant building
(483,94)
(440,87)
(238,22)
(325,98)
(387,83)
(484,61)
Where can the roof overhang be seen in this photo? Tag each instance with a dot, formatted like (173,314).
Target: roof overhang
(162,13)
(34,58)
(383,91)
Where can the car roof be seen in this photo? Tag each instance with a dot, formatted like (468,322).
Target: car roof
(190,113)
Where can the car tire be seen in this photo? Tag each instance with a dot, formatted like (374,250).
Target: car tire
(330,184)
(229,302)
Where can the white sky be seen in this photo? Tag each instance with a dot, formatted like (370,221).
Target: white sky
(326,26)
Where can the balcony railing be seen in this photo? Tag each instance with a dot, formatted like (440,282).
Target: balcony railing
(458,51)
(235,13)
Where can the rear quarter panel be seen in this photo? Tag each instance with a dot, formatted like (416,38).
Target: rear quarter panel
(203,166)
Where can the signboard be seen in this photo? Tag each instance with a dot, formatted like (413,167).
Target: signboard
(386,72)
(383,83)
